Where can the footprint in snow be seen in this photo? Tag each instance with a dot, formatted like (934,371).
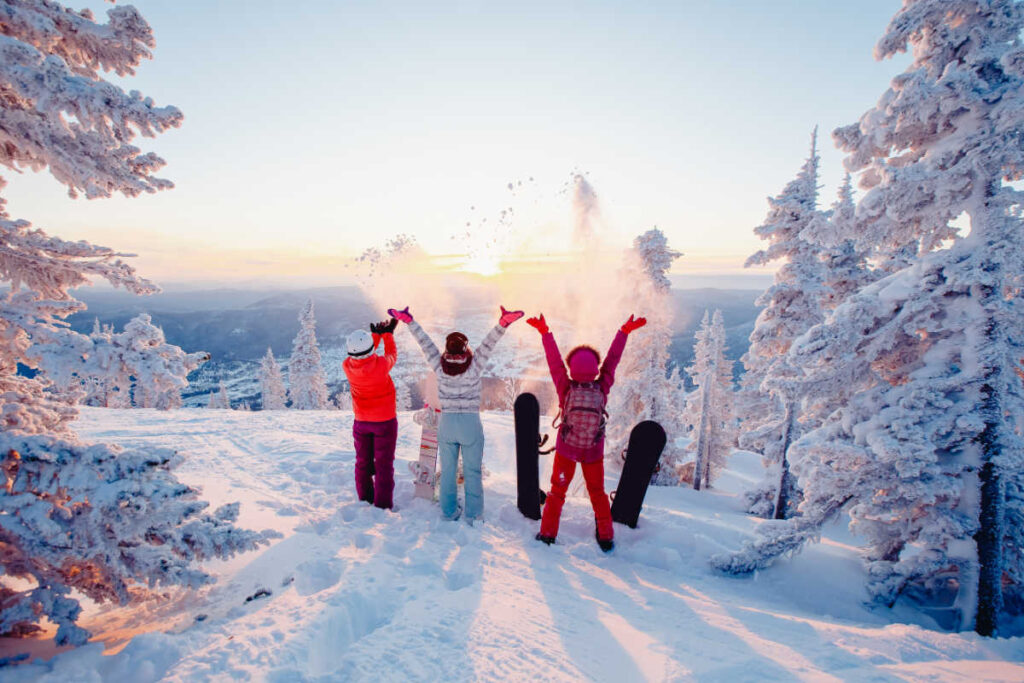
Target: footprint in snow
(314,576)
(464,571)
(350,511)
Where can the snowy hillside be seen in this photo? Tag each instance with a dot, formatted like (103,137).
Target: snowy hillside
(351,592)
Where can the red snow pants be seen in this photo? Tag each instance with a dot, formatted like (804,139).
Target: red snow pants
(562,472)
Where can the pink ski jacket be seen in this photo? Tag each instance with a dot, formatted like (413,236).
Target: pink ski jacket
(561,378)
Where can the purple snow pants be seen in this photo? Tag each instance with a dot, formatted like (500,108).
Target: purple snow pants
(375,460)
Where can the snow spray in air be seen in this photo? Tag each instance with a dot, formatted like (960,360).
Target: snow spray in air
(572,271)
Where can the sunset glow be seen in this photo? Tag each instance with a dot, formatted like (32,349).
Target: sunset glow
(368,162)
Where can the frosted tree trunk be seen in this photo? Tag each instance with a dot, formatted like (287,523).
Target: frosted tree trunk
(785,484)
(989,540)
(989,537)
(703,440)
(990,533)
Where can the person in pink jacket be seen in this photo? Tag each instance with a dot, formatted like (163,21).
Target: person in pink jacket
(582,395)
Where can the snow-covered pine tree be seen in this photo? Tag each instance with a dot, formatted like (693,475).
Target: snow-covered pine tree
(511,387)
(847,271)
(926,453)
(94,519)
(643,390)
(846,264)
(169,400)
(106,388)
(307,385)
(272,391)
(403,396)
(134,367)
(95,389)
(709,412)
(792,305)
(218,399)
(343,399)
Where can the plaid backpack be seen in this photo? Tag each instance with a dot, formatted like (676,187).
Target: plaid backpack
(582,417)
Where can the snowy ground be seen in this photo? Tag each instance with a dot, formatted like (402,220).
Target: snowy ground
(362,594)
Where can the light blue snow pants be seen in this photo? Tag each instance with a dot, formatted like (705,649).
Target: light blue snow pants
(461,431)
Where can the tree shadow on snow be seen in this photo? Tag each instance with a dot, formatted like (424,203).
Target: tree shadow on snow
(579,621)
(706,639)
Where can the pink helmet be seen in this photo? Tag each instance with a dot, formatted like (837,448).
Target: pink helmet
(584,364)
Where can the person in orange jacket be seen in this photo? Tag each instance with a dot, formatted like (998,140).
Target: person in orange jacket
(375,428)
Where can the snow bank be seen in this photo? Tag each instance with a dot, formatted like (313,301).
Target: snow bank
(355,593)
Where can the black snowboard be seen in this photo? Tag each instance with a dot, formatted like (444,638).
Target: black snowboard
(646,442)
(527,412)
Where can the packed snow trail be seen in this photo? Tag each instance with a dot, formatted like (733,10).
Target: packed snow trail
(358,593)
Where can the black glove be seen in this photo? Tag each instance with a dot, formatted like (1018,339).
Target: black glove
(389,326)
(375,328)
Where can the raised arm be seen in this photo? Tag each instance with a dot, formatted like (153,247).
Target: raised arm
(384,331)
(556,365)
(390,348)
(614,355)
(430,350)
(483,352)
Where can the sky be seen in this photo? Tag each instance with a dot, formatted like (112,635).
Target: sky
(315,130)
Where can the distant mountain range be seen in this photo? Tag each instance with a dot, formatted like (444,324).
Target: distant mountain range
(236,326)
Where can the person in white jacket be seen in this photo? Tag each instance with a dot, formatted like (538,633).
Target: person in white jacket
(459,378)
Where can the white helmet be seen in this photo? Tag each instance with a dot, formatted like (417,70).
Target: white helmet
(359,343)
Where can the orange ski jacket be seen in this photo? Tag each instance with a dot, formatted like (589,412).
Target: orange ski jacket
(373,392)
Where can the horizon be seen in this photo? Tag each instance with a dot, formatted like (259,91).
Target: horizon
(750,281)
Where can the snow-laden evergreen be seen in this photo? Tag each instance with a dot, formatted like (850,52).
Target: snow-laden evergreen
(136,367)
(272,392)
(52,61)
(925,453)
(511,387)
(218,399)
(106,523)
(846,265)
(770,405)
(709,411)
(403,396)
(343,399)
(643,388)
(307,384)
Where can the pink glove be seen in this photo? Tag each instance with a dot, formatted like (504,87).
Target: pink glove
(631,324)
(404,315)
(538,323)
(509,317)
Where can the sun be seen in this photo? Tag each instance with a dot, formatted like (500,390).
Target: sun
(481,264)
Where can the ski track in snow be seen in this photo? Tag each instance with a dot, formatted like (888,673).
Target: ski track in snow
(359,593)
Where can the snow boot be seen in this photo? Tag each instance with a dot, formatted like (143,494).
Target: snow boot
(607,545)
(547,540)
(457,514)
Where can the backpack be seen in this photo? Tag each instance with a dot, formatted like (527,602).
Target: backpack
(582,415)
